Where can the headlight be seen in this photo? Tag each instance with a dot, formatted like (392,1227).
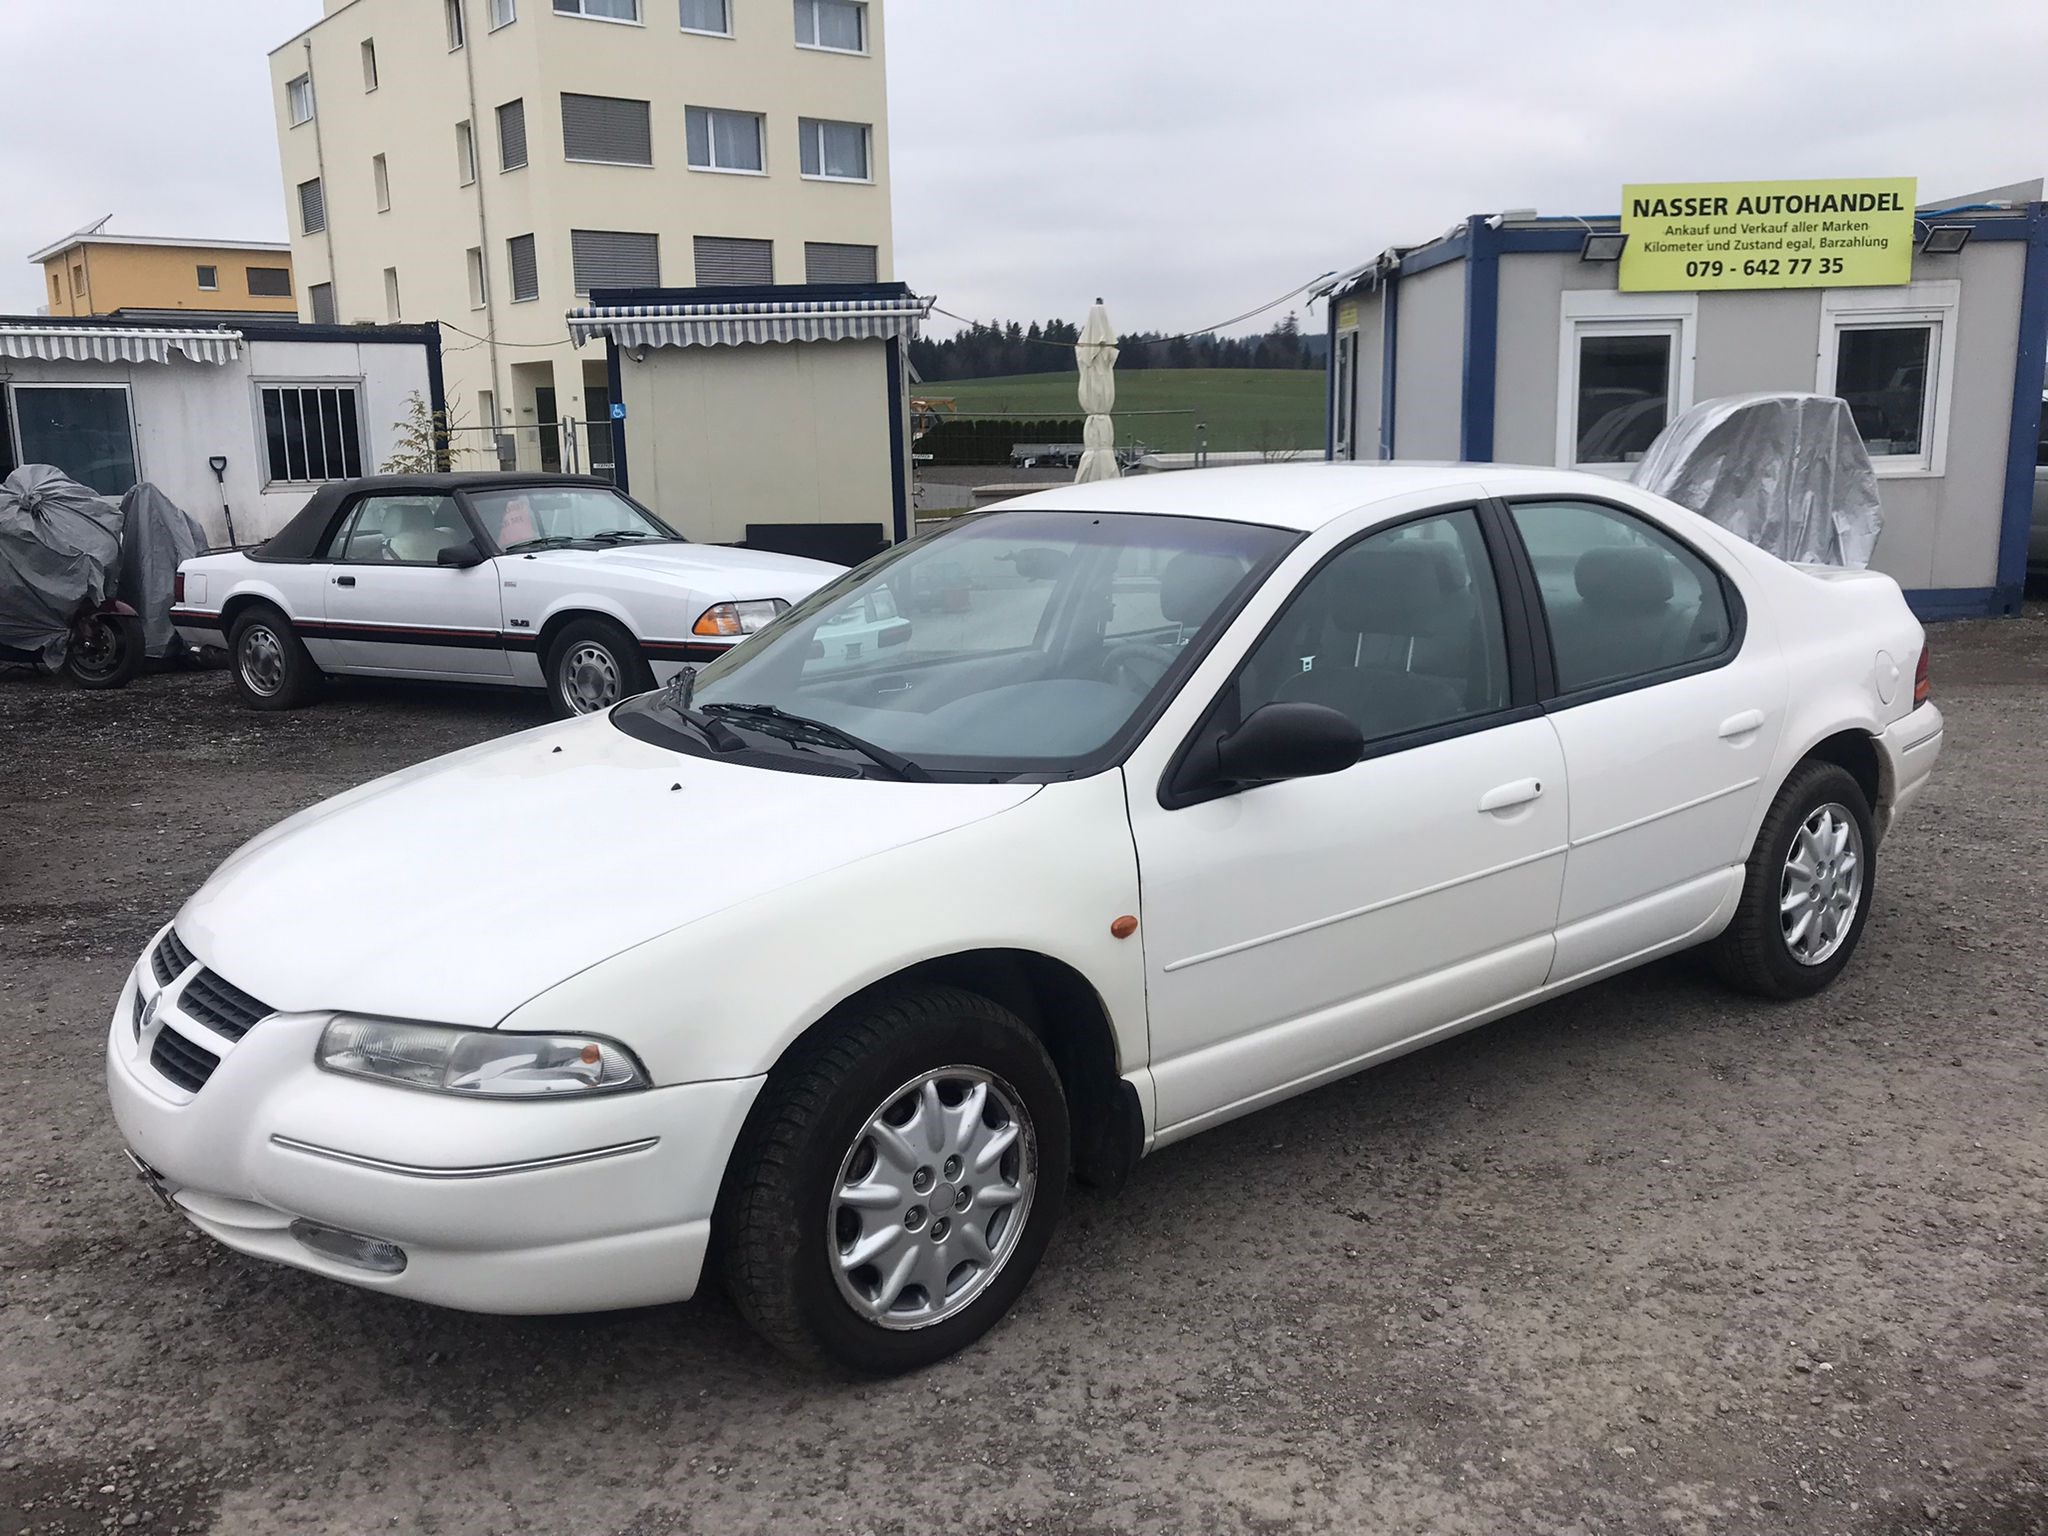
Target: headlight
(739,618)
(484,1062)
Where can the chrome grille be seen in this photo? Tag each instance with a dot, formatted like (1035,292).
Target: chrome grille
(186,1064)
(170,959)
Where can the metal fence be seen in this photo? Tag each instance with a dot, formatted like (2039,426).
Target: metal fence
(569,447)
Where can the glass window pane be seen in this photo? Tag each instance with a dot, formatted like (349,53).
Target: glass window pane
(697,129)
(1624,396)
(736,141)
(806,22)
(1401,631)
(1622,599)
(1881,371)
(846,150)
(273,434)
(807,138)
(84,432)
(839,25)
(411,530)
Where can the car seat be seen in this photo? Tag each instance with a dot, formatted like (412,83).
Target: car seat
(1375,613)
(1625,622)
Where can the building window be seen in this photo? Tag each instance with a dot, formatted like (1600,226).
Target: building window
(503,13)
(519,256)
(600,10)
(608,258)
(709,16)
(321,296)
(1344,392)
(312,207)
(380,180)
(456,34)
(512,135)
(269,282)
(609,130)
(833,151)
(311,433)
(369,64)
(840,26)
(391,294)
(1889,354)
(465,153)
(57,287)
(1625,363)
(209,279)
(87,432)
(77,281)
(825,262)
(479,289)
(298,95)
(725,263)
(724,141)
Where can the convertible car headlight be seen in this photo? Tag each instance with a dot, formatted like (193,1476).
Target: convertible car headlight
(739,618)
(484,1062)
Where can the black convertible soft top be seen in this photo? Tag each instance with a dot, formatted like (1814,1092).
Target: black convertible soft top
(306,534)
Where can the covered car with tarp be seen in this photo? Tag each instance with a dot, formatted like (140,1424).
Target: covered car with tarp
(60,571)
(1788,472)
(156,535)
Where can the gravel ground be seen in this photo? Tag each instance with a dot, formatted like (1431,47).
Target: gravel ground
(1646,1259)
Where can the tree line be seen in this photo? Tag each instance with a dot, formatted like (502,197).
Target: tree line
(997,349)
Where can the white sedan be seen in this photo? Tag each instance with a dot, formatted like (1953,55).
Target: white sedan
(1180,796)
(529,580)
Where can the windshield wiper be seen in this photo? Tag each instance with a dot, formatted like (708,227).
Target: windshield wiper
(624,533)
(800,727)
(545,541)
(675,698)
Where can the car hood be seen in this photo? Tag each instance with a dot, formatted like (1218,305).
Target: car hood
(742,572)
(457,890)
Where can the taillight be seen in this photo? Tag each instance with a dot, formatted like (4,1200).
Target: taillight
(178,587)
(1923,690)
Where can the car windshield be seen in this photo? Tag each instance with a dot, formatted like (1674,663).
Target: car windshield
(1013,644)
(535,516)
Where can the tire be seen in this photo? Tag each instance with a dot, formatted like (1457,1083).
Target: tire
(1761,951)
(788,1244)
(269,662)
(113,655)
(592,664)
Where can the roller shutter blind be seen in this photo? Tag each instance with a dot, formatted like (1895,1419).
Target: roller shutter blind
(321,297)
(727,263)
(613,129)
(312,207)
(825,262)
(519,257)
(608,258)
(512,135)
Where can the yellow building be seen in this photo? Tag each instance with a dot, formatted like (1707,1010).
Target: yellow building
(139,276)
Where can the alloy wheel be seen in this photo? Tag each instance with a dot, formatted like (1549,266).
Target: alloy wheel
(261,658)
(590,678)
(1822,885)
(932,1197)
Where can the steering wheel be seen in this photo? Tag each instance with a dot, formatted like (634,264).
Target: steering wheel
(1135,665)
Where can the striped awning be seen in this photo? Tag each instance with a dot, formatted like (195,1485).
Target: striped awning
(738,324)
(116,344)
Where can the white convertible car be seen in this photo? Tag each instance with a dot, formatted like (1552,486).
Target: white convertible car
(532,580)
(1176,797)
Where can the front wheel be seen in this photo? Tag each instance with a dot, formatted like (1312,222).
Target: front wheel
(108,653)
(593,664)
(1807,889)
(897,1184)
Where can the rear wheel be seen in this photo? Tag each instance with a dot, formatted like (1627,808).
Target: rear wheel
(108,653)
(898,1183)
(1807,890)
(271,667)
(593,664)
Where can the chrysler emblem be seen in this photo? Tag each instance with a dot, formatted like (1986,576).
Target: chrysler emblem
(149,1010)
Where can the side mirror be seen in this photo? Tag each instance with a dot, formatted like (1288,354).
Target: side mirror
(1288,741)
(463,555)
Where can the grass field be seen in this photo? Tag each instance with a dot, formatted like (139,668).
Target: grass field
(1245,408)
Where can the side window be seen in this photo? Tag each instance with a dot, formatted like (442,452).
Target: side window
(405,530)
(1623,599)
(1401,631)
(336,547)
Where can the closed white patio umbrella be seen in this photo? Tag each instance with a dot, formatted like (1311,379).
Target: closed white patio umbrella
(1095,355)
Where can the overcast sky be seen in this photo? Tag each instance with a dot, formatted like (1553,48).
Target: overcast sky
(1185,160)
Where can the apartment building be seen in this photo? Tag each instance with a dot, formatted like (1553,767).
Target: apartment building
(150,276)
(488,163)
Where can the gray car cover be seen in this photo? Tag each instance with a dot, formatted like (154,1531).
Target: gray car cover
(60,546)
(1788,472)
(156,534)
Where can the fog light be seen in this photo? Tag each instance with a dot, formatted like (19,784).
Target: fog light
(350,1248)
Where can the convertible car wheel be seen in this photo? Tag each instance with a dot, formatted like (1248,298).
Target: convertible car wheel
(271,667)
(591,666)
(898,1183)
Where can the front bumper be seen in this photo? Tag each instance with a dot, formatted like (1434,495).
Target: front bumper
(499,1207)
(1910,746)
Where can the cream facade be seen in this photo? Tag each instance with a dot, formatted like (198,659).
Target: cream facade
(485,163)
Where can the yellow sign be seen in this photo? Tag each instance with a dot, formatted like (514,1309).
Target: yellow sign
(1767,234)
(1347,315)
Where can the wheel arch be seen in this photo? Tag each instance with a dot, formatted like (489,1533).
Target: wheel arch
(1855,751)
(561,618)
(242,599)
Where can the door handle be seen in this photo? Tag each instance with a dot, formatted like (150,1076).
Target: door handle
(344,581)
(1508,796)
(1744,724)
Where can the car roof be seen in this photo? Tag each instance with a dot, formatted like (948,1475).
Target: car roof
(459,480)
(1303,496)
